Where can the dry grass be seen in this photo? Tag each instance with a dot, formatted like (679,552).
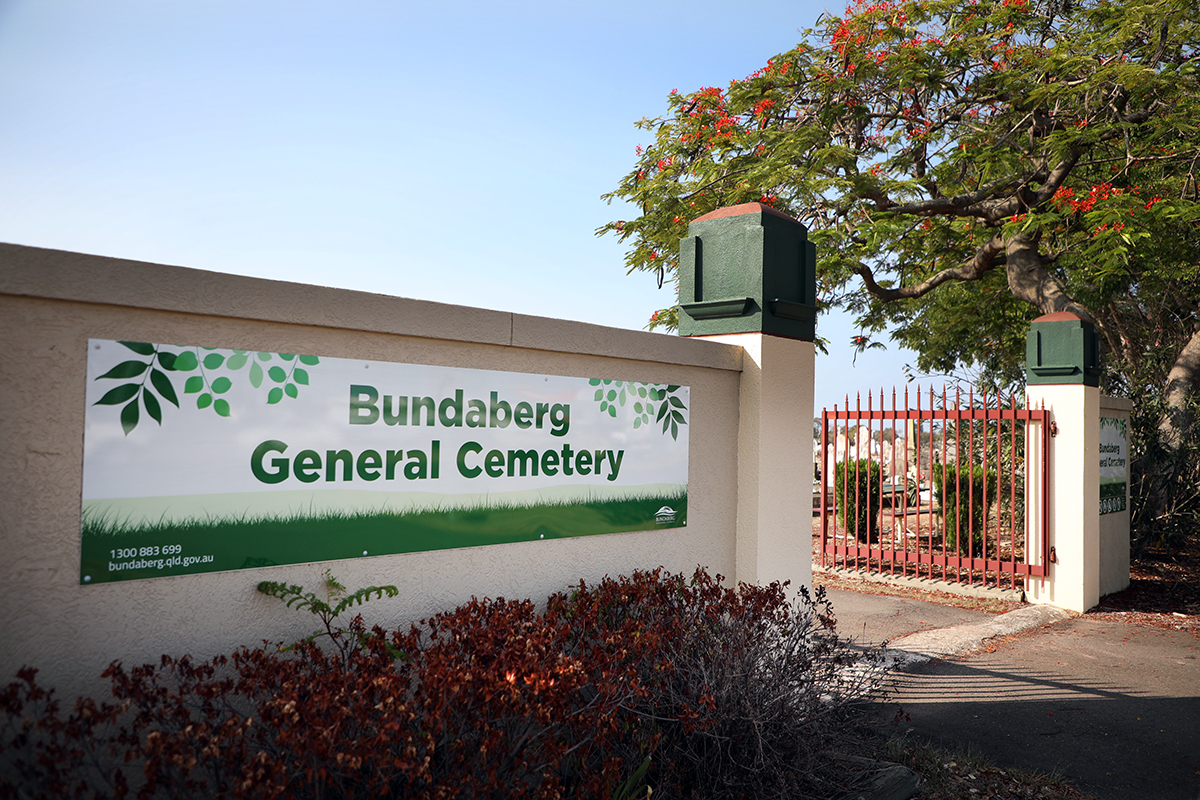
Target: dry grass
(954,776)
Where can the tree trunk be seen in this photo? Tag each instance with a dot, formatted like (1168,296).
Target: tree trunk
(1029,281)
(1179,393)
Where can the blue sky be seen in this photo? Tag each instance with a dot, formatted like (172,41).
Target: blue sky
(453,153)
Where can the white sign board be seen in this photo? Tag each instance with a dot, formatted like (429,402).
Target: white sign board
(199,459)
(1114,464)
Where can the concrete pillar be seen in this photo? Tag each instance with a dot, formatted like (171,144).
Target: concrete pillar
(748,277)
(1062,374)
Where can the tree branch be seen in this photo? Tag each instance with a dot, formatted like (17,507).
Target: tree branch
(1029,281)
(973,270)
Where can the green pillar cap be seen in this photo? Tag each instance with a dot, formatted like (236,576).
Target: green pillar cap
(747,269)
(1062,348)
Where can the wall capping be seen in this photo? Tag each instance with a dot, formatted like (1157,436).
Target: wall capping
(1115,403)
(49,274)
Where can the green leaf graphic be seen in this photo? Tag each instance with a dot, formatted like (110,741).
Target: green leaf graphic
(118,395)
(126,369)
(160,389)
(141,348)
(152,407)
(129,416)
(186,362)
(163,384)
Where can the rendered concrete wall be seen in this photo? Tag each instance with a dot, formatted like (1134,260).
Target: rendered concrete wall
(1074,497)
(775,468)
(51,302)
(1114,527)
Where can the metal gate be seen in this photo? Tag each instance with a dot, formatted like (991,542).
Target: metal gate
(950,491)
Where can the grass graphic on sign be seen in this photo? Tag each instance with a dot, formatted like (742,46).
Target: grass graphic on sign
(113,546)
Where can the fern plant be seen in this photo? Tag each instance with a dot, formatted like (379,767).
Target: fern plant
(337,601)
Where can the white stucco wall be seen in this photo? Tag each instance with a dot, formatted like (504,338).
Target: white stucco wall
(51,302)
(775,440)
(1074,497)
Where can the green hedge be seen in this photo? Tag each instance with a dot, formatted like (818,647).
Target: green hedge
(960,492)
(857,486)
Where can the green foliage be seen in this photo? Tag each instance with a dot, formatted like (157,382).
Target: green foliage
(644,397)
(632,788)
(964,494)
(329,609)
(1164,479)
(857,489)
(155,383)
(962,168)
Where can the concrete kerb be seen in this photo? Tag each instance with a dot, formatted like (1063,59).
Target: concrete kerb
(925,584)
(919,648)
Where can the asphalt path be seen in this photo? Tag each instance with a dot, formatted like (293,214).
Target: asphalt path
(1112,707)
(872,619)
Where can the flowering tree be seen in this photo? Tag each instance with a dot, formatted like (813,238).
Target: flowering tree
(965,167)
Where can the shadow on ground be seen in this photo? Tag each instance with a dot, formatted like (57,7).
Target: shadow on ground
(1113,708)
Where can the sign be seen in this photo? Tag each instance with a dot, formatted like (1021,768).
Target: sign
(1114,464)
(201,460)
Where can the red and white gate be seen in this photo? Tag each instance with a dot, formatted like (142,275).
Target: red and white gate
(949,491)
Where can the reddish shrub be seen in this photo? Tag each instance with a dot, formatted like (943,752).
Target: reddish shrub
(721,692)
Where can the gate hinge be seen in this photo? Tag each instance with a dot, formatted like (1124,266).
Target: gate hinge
(1053,556)
(1053,429)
